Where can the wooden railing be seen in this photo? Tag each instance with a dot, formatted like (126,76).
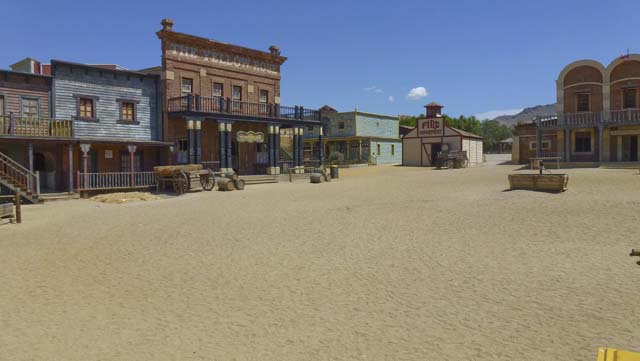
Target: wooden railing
(115,180)
(201,104)
(35,127)
(19,176)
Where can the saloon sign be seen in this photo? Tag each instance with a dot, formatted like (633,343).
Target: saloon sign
(218,57)
(430,127)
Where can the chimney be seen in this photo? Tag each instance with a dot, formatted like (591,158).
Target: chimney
(167,24)
(274,50)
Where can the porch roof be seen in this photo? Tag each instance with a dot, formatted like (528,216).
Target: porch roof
(26,139)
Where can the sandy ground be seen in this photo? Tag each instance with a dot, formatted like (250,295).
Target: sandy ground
(387,263)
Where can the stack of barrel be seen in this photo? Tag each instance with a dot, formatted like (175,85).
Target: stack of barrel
(319,176)
(230,181)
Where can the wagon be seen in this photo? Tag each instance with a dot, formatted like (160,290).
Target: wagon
(185,178)
(452,159)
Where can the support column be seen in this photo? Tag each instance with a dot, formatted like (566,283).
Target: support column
(321,152)
(132,168)
(360,150)
(276,148)
(567,145)
(619,149)
(538,141)
(600,144)
(228,147)
(271,149)
(348,152)
(222,139)
(197,140)
(85,163)
(300,149)
(30,156)
(191,140)
(70,163)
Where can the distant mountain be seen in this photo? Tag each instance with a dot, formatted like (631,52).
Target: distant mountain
(528,114)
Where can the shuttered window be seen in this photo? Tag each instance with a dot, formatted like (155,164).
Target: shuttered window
(630,99)
(583,102)
(86,108)
(29,107)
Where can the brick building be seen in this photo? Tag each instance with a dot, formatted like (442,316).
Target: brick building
(222,104)
(598,117)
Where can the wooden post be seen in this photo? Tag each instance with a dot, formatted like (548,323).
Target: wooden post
(360,150)
(70,162)
(85,161)
(18,207)
(11,124)
(321,151)
(132,151)
(222,149)
(30,156)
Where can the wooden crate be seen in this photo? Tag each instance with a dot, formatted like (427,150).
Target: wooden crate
(6,213)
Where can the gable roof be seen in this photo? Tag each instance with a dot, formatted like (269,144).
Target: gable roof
(465,133)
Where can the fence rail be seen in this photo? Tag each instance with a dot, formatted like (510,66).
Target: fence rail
(35,126)
(116,180)
(197,103)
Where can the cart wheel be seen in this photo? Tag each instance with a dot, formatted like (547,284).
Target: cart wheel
(179,182)
(207,180)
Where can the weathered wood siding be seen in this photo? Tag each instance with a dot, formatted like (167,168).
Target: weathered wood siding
(372,125)
(108,87)
(14,86)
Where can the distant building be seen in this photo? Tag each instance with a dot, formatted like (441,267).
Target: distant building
(356,137)
(431,136)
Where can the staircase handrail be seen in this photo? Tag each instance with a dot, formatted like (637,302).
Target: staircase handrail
(32,178)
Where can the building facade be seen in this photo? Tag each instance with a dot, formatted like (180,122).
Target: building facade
(598,116)
(222,104)
(431,136)
(355,137)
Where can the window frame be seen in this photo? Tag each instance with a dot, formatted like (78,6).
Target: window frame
(378,149)
(575,142)
(3,100)
(532,145)
(578,95)
(266,100)
(233,93)
(341,125)
(213,89)
(182,81)
(29,98)
(635,98)
(94,110)
(393,150)
(121,120)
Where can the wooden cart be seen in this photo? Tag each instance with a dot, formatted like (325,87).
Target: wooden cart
(452,159)
(185,178)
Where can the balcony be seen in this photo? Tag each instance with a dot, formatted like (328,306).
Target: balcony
(625,116)
(591,119)
(35,127)
(226,108)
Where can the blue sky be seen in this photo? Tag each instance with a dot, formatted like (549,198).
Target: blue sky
(472,56)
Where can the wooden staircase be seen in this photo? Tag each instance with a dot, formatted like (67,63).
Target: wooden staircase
(14,177)
(259,179)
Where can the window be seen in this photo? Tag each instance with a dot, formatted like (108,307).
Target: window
(127,112)
(237,93)
(378,149)
(264,96)
(86,108)
(629,99)
(583,102)
(187,86)
(217,90)
(1,105)
(125,161)
(310,128)
(29,107)
(544,145)
(393,149)
(340,125)
(583,142)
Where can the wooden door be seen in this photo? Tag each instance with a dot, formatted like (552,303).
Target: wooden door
(247,157)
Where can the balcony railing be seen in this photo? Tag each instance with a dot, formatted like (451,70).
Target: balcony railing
(625,116)
(582,119)
(200,104)
(35,126)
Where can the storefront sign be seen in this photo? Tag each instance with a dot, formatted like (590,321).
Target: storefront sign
(218,57)
(430,127)
(250,137)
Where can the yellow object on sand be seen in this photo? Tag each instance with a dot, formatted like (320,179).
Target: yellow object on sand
(611,354)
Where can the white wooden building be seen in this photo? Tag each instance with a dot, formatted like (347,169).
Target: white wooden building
(431,136)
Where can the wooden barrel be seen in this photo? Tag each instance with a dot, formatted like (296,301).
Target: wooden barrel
(316,177)
(327,177)
(239,184)
(225,184)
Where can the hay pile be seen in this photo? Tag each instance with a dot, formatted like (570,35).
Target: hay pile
(125,197)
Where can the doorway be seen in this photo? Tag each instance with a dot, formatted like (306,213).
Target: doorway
(247,158)
(435,149)
(633,146)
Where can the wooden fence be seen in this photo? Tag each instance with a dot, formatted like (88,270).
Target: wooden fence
(116,180)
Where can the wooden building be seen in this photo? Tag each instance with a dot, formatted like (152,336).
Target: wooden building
(431,136)
(222,104)
(356,137)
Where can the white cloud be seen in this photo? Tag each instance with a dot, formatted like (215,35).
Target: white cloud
(373,89)
(392,98)
(496,113)
(417,93)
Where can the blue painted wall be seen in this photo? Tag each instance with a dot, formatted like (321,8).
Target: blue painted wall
(390,151)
